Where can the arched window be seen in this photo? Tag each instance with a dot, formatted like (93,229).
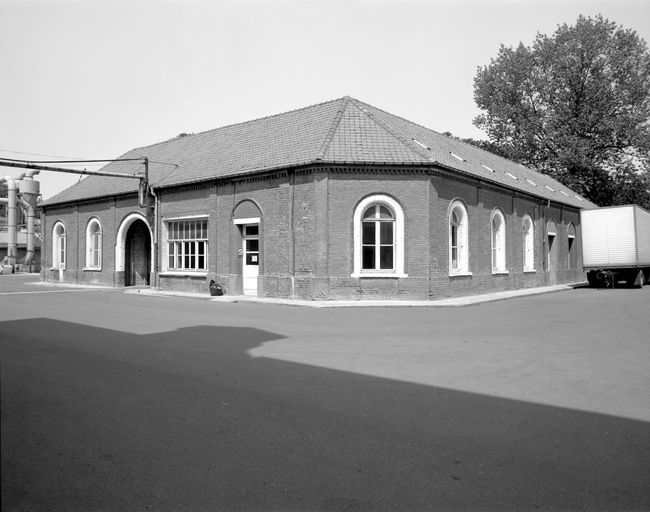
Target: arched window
(571,250)
(458,237)
(498,225)
(94,245)
(58,246)
(378,238)
(528,239)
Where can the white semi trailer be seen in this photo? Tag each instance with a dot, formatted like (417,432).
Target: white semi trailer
(616,245)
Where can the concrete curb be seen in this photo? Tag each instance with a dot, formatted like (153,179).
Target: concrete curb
(451,302)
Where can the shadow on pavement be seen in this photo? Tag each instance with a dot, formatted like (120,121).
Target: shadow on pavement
(95,419)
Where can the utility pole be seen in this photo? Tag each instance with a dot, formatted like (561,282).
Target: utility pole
(36,166)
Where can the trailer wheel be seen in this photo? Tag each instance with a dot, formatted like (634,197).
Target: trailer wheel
(634,278)
(592,278)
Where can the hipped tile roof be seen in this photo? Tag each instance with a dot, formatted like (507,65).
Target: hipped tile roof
(341,131)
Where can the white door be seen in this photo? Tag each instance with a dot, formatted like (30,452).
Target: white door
(251,263)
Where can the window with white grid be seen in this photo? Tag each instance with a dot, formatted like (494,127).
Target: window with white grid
(187,244)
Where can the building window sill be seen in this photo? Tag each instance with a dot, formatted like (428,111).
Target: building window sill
(57,268)
(460,274)
(529,271)
(183,273)
(500,272)
(384,275)
(92,269)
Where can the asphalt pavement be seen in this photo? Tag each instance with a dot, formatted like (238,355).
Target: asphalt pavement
(114,401)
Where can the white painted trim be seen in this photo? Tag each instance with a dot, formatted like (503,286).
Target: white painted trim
(100,249)
(530,240)
(399,236)
(498,243)
(120,242)
(463,240)
(185,217)
(56,248)
(460,274)
(250,220)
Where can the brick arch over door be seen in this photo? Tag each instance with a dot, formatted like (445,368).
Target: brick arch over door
(247,209)
(121,241)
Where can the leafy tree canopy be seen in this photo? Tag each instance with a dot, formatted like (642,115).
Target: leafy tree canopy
(574,105)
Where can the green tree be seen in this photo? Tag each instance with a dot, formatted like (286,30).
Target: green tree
(574,105)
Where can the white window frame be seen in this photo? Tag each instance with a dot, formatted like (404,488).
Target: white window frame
(181,245)
(59,246)
(498,242)
(398,255)
(94,245)
(461,238)
(528,243)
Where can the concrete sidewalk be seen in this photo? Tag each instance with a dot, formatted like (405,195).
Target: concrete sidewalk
(454,301)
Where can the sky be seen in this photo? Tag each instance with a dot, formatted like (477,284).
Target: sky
(95,78)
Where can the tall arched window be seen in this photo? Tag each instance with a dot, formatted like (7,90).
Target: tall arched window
(458,237)
(528,239)
(378,238)
(58,246)
(498,225)
(94,245)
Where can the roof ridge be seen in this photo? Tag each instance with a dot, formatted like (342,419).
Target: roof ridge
(382,124)
(402,118)
(460,141)
(241,123)
(327,142)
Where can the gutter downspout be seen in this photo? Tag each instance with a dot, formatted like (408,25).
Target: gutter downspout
(292,237)
(156,266)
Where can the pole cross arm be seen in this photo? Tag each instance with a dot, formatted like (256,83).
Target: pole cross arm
(29,165)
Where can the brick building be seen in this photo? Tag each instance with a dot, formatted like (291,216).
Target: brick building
(338,200)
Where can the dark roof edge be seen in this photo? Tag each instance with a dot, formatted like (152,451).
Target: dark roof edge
(46,202)
(323,163)
(474,177)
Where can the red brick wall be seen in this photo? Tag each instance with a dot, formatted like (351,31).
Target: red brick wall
(306,234)
(110,213)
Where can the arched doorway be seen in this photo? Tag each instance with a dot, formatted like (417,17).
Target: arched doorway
(137,255)
(133,251)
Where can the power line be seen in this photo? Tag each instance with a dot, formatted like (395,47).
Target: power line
(74,161)
(35,154)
